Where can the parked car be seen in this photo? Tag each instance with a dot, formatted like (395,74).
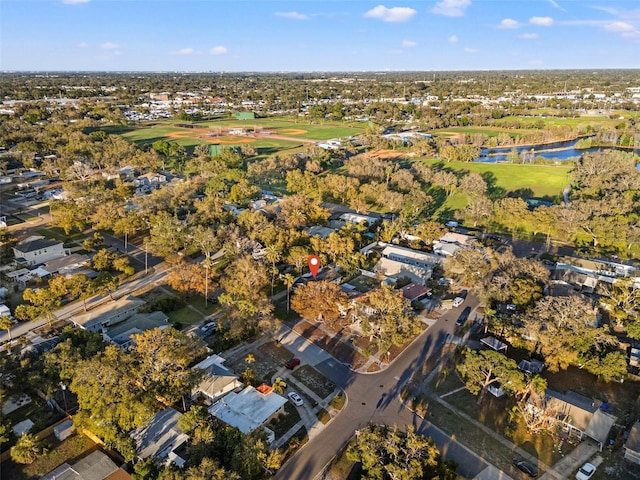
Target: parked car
(296,399)
(209,327)
(458,301)
(292,363)
(586,471)
(526,467)
(464,316)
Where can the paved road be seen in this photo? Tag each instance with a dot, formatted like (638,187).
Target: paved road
(375,398)
(67,311)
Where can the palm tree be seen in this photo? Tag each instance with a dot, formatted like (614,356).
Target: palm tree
(250,358)
(288,280)
(27,449)
(279,385)
(273,256)
(6,323)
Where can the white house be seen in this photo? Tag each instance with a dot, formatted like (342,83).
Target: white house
(411,257)
(39,250)
(358,218)
(249,409)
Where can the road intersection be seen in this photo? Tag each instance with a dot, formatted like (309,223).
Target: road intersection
(375,397)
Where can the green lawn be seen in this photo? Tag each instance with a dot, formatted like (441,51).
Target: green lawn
(69,450)
(490,131)
(542,180)
(149,133)
(553,121)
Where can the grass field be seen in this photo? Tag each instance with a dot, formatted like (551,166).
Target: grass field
(542,180)
(294,128)
(489,131)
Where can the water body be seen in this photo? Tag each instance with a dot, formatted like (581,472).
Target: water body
(562,151)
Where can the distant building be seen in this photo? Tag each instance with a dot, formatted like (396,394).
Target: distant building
(358,218)
(411,257)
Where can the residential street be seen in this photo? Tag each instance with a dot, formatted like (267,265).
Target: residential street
(65,312)
(376,398)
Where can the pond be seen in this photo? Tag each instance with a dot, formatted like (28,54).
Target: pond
(563,151)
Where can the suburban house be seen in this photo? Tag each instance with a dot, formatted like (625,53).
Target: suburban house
(399,262)
(108,314)
(151,179)
(594,270)
(68,265)
(35,251)
(358,218)
(632,445)
(450,243)
(414,291)
(578,415)
(95,466)
(217,381)
(118,321)
(409,256)
(121,333)
(249,409)
(161,438)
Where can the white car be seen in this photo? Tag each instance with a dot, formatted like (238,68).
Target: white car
(209,327)
(458,301)
(586,471)
(296,399)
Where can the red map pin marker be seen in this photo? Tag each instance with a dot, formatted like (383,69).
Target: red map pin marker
(314,264)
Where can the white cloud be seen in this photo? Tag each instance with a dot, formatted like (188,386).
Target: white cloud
(453,39)
(554,4)
(541,21)
(509,24)
(619,27)
(626,29)
(109,46)
(183,51)
(471,50)
(83,45)
(75,2)
(219,50)
(529,36)
(395,14)
(408,43)
(292,15)
(451,8)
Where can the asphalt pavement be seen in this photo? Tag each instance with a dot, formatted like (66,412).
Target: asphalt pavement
(375,397)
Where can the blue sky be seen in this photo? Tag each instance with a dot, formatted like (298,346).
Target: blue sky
(328,35)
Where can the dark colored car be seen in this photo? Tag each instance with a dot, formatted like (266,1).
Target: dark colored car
(464,316)
(527,467)
(292,363)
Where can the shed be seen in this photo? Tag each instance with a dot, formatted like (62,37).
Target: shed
(64,430)
(494,344)
(531,366)
(632,445)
